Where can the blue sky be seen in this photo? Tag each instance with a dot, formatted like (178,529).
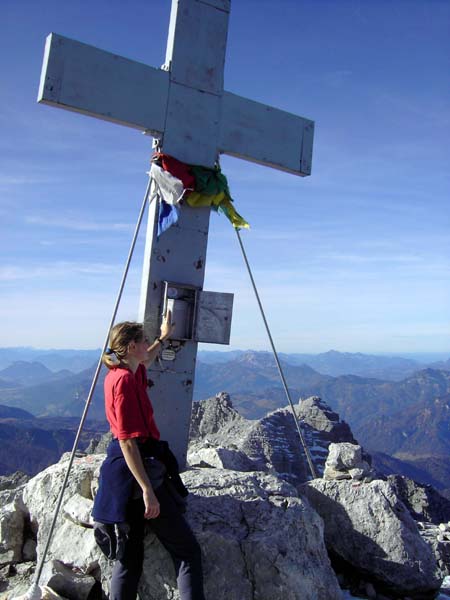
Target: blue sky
(355,257)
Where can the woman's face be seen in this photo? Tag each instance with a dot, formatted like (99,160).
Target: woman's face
(139,349)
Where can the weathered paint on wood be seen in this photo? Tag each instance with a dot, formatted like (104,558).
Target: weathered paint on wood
(197,43)
(265,135)
(99,84)
(195,124)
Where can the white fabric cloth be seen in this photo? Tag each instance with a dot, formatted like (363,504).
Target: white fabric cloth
(170,188)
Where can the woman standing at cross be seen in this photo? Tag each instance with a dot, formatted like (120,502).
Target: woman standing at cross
(139,482)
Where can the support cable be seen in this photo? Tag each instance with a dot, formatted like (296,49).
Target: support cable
(286,389)
(34,591)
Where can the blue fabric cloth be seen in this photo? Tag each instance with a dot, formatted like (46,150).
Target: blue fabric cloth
(116,484)
(168,216)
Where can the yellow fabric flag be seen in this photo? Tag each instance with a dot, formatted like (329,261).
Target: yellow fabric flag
(198,199)
(218,201)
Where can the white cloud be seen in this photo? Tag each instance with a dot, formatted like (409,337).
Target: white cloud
(57,270)
(68,222)
(26,179)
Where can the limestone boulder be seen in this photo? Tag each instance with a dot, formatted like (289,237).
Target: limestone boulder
(258,539)
(438,538)
(73,542)
(271,443)
(221,458)
(423,501)
(16,579)
(41,492)
(99,443)
(213,416)
(344,456)
(11,487)
(43,593)
(66,581)
(346,461)
(78,509)
(12,524)
(368,527)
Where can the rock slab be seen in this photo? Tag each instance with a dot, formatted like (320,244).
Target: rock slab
(259,539)
(368,526)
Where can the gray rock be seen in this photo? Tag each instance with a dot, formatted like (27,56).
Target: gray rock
(331,473)
(12,523)
(322,426)
(358,474)
(11,487)
(67,582)
(258,540)
(369,527)
(16,580)
(29,550)
(72,543)
(423,501)
(99,444)
(346,458)
(316,413)
(221,458)
(11,482)
(432,534)
(78,509)
(215,415)
(271,443)
(45,593)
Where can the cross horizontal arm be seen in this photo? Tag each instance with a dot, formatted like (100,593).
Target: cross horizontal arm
(266,135)
(100,84)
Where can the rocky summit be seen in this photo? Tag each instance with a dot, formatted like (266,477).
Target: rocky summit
(268,531)
(221,437)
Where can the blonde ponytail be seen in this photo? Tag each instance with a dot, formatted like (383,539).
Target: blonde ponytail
(120,336)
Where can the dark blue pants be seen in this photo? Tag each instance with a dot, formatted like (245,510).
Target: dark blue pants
(175,535)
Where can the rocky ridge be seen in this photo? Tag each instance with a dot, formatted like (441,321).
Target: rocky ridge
(266,529)
(220,436)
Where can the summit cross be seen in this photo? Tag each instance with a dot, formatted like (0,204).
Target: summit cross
(185,107)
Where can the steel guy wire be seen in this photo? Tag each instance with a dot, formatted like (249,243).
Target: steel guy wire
(34,589)
(280,370)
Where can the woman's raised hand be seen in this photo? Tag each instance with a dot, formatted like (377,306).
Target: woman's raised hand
(167,326)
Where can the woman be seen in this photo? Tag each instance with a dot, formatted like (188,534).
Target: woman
(126,498)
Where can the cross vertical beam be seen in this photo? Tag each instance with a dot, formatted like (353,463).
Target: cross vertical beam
(195,59)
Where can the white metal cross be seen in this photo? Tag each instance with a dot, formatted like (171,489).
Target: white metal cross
(184,105)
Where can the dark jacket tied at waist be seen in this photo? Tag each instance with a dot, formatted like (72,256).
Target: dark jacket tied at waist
(117,484)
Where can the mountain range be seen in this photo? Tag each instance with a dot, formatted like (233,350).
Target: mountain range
(25,373)
(328,363)
(30,444)
(404,423)
(55,360)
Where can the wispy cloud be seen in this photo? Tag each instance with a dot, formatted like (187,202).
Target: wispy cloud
(26,179)
(55,270)
(68,222)
(358,259)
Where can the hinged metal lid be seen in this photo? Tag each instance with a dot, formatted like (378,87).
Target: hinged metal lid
(213,317)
